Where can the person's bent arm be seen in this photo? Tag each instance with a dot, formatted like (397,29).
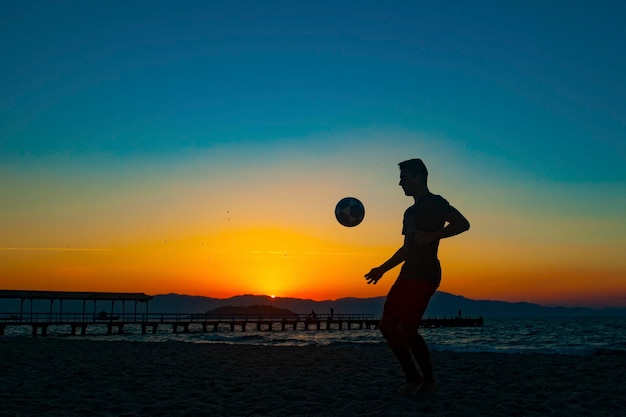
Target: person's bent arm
(456,224)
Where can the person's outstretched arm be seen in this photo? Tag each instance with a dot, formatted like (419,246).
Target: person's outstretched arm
(377,273)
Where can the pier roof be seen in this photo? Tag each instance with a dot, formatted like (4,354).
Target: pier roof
(74,295)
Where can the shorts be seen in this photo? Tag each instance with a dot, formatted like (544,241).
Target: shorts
(407,300)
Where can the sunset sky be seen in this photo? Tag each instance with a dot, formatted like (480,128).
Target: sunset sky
(200,147)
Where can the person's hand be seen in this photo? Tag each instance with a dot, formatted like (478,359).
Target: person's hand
(374,275)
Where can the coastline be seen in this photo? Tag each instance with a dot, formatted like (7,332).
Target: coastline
(73,377)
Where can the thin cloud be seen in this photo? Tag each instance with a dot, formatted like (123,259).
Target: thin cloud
(57,249)
(296,253)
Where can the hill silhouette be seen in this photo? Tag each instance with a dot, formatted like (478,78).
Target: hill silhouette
(254,310)
(442,305)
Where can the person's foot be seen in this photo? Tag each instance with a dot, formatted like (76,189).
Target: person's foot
(410,389)
(427,388)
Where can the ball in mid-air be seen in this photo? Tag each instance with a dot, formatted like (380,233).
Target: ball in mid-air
(349,212)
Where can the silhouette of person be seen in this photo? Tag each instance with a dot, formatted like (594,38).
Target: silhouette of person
(332,313)
(428,220)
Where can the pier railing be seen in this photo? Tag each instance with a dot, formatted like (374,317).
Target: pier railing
(184,322)
(66,318)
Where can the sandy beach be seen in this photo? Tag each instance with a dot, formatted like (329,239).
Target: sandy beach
(70,377)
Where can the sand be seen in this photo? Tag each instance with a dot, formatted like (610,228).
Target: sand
(79,377)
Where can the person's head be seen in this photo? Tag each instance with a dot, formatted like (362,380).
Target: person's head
(413,176)
(414,167)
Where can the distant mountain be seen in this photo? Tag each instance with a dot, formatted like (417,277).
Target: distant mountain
(442,305)
(252,311)
(174,303)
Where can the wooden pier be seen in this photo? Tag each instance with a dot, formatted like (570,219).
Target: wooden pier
(145,322)
(75,324)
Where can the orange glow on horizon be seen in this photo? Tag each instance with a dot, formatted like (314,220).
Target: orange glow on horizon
(319,266)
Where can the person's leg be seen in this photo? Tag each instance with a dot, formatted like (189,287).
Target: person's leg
(420,351)
(396,337)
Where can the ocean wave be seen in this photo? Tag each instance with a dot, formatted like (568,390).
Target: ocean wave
(575,337)
(610,351)
(543,350)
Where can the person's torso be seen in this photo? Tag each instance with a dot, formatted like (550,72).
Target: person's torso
(427,215)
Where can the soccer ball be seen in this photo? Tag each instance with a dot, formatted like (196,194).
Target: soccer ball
(349,212)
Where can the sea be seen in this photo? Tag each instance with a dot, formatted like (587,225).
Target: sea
(579,336)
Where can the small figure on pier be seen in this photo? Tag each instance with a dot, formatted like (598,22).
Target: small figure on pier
(313,315)
(332,313)
(460,313)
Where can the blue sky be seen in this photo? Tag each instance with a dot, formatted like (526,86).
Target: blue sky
(539,85)
(518,108)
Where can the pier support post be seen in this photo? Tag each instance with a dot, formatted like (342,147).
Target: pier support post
(120,328)
(184,325)
(145,325)
(83,328)
(44,329)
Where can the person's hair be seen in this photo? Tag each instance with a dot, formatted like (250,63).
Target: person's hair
(414,167)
